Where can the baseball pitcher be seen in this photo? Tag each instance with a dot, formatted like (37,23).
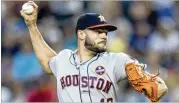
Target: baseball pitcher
(90,74)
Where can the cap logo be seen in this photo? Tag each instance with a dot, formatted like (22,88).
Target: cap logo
(101,18)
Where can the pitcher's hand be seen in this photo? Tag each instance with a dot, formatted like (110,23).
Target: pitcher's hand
(30,19)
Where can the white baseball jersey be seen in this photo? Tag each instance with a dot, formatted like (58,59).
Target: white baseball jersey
(95,80)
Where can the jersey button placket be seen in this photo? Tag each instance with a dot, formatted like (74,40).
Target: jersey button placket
(84,82)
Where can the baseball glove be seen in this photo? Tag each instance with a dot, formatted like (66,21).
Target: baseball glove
(141,81)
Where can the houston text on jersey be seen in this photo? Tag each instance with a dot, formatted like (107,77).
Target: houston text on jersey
(94,82)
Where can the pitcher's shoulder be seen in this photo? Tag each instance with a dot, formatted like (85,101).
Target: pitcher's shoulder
(65,52)
(112,54)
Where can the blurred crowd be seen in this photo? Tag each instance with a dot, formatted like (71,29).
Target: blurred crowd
(147,30)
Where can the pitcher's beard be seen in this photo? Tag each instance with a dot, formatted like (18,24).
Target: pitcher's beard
(94,47)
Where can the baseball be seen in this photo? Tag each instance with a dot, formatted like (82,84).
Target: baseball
(27,8)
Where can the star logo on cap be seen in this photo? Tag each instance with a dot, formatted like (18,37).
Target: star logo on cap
(101,18)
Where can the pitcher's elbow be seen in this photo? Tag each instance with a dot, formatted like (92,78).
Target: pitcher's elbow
(165,90)
(162,91)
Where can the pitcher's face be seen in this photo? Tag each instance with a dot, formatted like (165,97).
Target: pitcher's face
(96,40)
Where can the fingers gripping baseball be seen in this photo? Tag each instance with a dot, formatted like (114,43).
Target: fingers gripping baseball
(33,4)
(30,18)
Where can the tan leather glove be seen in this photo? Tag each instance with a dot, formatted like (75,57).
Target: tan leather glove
(141,81)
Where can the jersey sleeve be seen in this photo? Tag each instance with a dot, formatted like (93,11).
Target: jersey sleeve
(52,64)
(120,62)
(54,61)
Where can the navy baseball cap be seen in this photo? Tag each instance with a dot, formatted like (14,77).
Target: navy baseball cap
(93,21)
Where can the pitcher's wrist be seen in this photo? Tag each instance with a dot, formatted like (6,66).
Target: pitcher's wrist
(32,25)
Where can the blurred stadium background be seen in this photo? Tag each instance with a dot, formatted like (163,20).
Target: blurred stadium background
(148,31)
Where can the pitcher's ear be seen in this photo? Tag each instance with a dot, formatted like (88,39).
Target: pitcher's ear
(81,34)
